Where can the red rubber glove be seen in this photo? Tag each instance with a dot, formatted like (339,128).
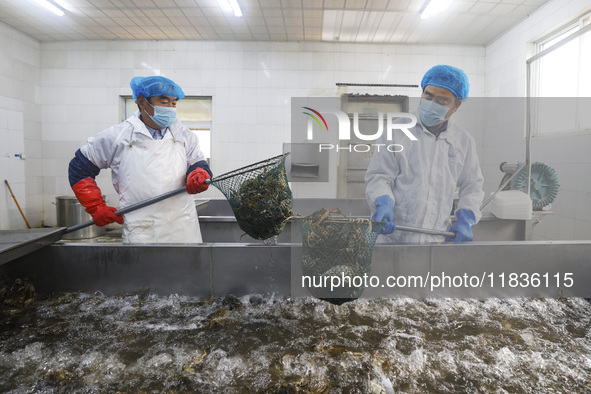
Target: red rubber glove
(104,215)
(91,197)
(196,181)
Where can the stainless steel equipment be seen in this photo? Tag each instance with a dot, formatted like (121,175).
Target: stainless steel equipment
(231,263)
(220,269)
(14,244)
(70,213)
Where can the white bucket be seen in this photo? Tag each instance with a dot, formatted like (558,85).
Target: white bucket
(512,204)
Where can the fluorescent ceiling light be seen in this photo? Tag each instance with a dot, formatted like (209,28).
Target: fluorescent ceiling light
(235,8)
(50,7)
(433,7)
(64,4)
(231,5)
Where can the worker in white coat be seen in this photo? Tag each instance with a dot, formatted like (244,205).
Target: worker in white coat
(149,154)
(415,187)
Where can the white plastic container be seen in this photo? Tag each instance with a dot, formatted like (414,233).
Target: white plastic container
(512,204)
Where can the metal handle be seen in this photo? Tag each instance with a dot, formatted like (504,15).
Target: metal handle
(425,231)
(130,208)
(502,186)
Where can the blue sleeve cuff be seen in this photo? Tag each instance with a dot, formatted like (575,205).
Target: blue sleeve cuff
(80,168)
(200,164)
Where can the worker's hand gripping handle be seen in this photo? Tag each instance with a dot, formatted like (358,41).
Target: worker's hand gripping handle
(90,196)
(197,181)
(130,208)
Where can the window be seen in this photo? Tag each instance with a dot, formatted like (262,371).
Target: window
(564,72)
(193,111)
(562,81)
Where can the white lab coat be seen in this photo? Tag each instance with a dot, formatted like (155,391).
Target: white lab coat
(142,168)
(422,180)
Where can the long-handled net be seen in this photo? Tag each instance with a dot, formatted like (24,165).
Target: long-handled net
(259,196)
(337,247)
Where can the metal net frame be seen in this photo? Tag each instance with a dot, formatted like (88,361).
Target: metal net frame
(259,195)
(341,247)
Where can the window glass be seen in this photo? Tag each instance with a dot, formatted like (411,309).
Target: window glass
(562,81)
(559,70)
(562,72)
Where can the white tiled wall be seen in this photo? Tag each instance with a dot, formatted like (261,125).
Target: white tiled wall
(19,130)
(566,153)
(251,84)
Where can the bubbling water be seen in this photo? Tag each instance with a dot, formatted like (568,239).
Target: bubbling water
(143,342)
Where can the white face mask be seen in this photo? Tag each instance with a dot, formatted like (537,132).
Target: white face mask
(432,113)
(163,116)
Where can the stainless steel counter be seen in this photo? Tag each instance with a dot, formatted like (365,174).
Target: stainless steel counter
(14,244)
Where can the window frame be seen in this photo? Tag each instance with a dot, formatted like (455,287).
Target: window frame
(540,46)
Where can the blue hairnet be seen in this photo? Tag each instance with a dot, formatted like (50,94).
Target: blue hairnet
(448,77)
(155,86)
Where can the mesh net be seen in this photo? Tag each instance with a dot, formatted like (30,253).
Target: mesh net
(336,247)
(259,196)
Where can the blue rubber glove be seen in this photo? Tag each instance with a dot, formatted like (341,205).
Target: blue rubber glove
(385,213)
(463,227)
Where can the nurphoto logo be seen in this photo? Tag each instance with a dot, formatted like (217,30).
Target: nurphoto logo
(393,122)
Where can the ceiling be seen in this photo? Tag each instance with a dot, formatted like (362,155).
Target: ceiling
(465,22)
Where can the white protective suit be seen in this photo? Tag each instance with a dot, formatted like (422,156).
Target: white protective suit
(142,168)
(422,180)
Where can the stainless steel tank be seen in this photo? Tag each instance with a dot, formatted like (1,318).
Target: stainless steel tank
(69,213)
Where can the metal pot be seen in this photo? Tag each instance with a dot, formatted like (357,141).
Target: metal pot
(69,213)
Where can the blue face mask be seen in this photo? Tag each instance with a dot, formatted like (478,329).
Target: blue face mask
(163,116)
(432,113)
